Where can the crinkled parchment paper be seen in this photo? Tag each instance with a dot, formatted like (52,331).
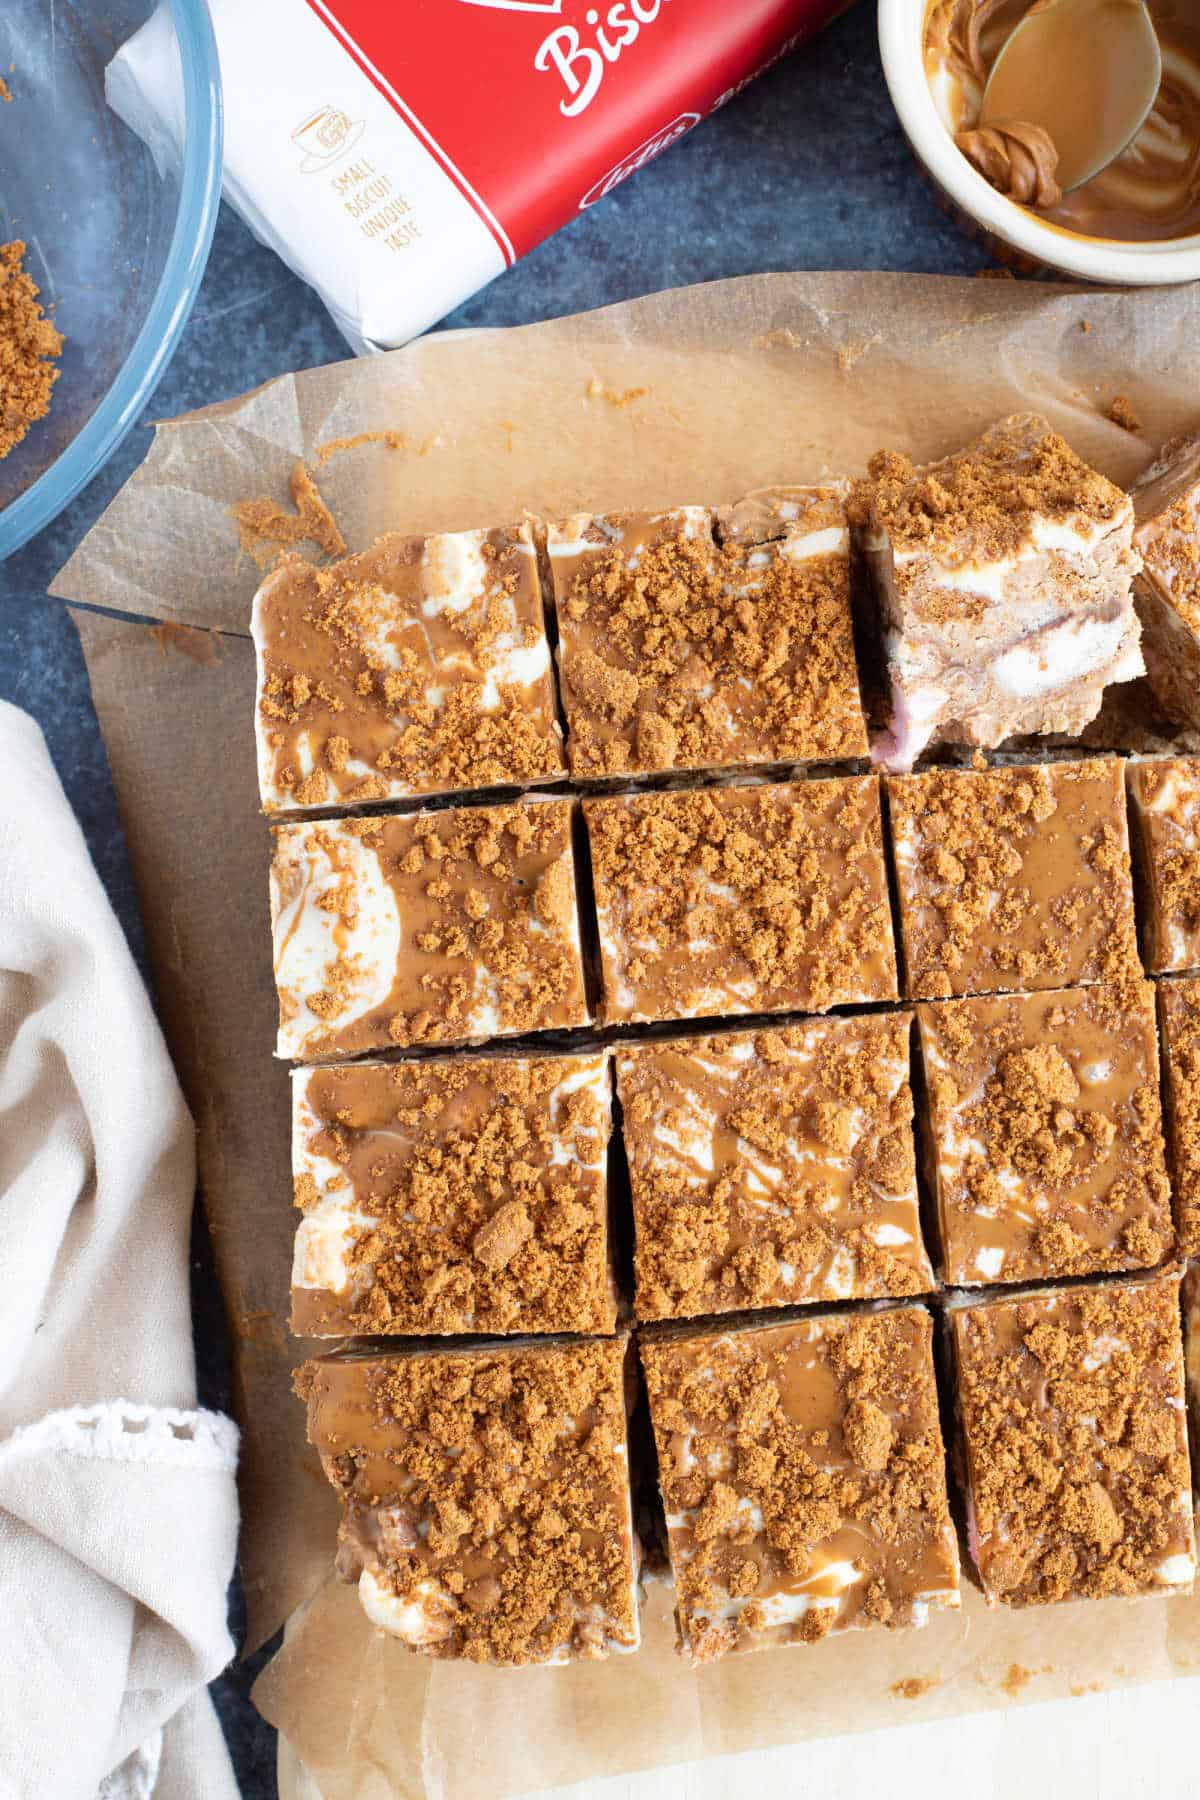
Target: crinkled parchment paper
(695,395)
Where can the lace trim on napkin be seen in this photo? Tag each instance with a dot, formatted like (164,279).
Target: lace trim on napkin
(124,1431)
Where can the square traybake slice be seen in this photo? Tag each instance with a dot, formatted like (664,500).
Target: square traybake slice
(1044,1134)
(1179,1018)
(689,640)
(773,1168)
(1013,878)
(486,1510)
(419,666)
(452,1194)
(803,1475)
(436,928)
(1164,818)
(734,900)
(1074,1442)
(1003,576)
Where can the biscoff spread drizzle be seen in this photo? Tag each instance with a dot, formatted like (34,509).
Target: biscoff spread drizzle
(462,1196)
(1072,1409)
(803,1476)
(418,666)
(1046,1134)
(742,899)
(1013,878)
(485,1495)
(773,1168)
(267,530)
(685,650)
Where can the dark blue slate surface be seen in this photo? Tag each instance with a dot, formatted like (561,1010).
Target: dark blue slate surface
(805,170)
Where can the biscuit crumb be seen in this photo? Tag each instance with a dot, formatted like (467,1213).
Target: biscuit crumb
(913,1686)
(869,1435)
(1122,412)
(599,390)
(28,345)
(497,1242)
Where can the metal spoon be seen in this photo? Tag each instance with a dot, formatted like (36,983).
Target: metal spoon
(1086,71)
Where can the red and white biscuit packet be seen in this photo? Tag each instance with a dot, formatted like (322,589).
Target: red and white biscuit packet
(399,156)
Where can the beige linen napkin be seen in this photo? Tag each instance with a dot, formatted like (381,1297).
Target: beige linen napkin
(118,1515)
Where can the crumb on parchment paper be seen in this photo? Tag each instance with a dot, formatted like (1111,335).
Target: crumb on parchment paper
(599,390)
(392,440)
(913,1686)
(263,522)
(203,647)
(781,338)
(1122,412)
(853,349)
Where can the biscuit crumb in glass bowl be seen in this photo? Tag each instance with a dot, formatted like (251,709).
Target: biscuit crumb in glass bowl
(116,247)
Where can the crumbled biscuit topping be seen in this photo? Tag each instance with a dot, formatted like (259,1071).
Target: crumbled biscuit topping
(803,1476)
(488,1491)
(1013,877)
(397,672)
(742,899)
(1047,1134)
(1072,1408)
(475,954)
(681,653)
(482,1187)
(773,1169)
(979,505)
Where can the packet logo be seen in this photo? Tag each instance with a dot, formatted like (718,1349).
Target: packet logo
(653,146)
(324,135)
(524,6)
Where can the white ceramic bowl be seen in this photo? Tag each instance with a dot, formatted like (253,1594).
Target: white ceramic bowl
(901,32)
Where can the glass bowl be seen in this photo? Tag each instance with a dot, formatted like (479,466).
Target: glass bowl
(117,249)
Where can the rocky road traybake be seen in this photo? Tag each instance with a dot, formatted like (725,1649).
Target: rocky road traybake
(485,1496)
(420,666)
(1076,1458)
(803,1476)
(689,640)
(755,1162)
(462,1194)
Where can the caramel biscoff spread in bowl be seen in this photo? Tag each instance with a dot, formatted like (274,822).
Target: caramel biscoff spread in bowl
(1150,192)
(1136,224)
